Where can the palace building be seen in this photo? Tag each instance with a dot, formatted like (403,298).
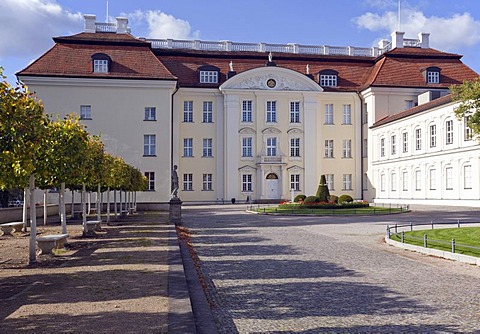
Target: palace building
(263,122)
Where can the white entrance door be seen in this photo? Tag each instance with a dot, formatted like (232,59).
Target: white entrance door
(271,184)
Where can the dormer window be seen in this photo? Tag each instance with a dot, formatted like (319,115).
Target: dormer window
(101,63)
(328,78)
(432,75)
(208,74)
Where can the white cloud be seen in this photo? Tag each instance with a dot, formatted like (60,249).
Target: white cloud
(162,25)
(28,26)
(446,33)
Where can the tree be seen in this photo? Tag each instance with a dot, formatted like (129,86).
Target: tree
(468,94)
(322,191)
(23,139)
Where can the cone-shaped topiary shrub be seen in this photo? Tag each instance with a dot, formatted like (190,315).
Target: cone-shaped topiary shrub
(322,191)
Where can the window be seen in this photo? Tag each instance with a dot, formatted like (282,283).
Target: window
(405,142)
(101,63)
(187,182)
(188,147)
(271,111)
(330,183)
(151,180)
(329,148)
(247,147)
(295,182)
(467,177)
(393,182)
(449,132)
(418,180)
(467,130)
(365,114)
(433,179)
(150,113)
(347,114)
(409,104)
(347,148)
(247,182)
(188,111)
(294,147)
(382,147)
(149,146)
(449,178)
(207,147)
(433,135)
(433,76)
(365,181)
(405,181)
(247,111)
(329,113)
(208,76)
(207,182)
(418,139)
(347,181)
(85,112)
(272,146)
(382,182)
(207,112)
(365,148)
(328,78)
(294,112)
(394,144)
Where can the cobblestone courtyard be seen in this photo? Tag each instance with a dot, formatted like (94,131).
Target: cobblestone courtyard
(270,274)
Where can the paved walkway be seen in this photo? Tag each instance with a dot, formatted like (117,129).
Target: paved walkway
(269,274)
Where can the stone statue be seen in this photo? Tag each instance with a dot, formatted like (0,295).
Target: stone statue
(270,57)
(174,182)
(230,65)
(307,69)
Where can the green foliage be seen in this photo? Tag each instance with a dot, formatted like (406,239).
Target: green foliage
(299,197)
(345,199)
(322,191)
(333,206)
(311,199)
(333,199)
(468,94)
(23,135)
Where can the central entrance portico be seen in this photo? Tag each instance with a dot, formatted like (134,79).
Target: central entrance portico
(272,187)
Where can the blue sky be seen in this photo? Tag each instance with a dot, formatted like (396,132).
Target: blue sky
(27,26)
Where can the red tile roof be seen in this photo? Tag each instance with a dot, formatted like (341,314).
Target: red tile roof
(415,110)
(71,57)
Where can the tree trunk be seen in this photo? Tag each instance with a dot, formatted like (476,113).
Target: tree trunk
(108,206)
(33,222)
(99,213)
(45,213)
(84,210)
(63,211)
(25,213)
(73,204)
(115,204)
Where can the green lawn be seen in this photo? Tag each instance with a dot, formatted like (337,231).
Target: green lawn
(469,236)
(295,210)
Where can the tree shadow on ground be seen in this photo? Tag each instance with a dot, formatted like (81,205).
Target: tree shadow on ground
(424,329)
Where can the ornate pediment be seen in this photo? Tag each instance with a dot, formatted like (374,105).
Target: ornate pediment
(271,78)
(247,130)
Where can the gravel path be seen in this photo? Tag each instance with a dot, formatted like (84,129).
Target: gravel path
(269,274)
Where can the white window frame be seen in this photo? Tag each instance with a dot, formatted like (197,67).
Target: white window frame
(100,66)
(382,182)
(449,178)
(207,148)
(347,181)
(433,135)
(329,178)
(247,183)
(409,104)
(393,142)
(433,77)
(294,112)
(149,145)
(329,114)
(271,112)
(207,182)
(295,182)
(405,181)
(247,147)
(150,114)
(433,178)
(295,147)
(187,147)
(207,112)
(329,148)
(151,180)
(365,148)
(328,80)
(347,148)
(208,76)
(449,132)
(467,177)
(247,111)
(382,147)
(347,114)
(418,139)
(418,179)
(188,182)
(467,130)
(85,112)
(393,181)
(188,111)
(271,146)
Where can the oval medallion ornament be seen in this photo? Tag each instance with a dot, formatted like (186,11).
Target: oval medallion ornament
(271,83)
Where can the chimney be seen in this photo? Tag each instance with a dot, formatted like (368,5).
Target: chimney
(89,23)
(424,39)
(383,43)
(397,39)
(122,25)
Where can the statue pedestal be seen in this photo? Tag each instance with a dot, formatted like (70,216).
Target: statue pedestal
(176,211)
